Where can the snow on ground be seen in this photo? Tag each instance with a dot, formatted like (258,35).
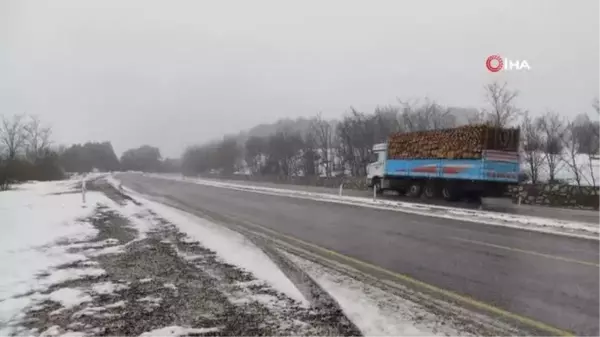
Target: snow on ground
(177,331)
(587,167)
(33,217)
(229,245)
(46,228)
(49,244)
(563,227)
(374,311)
(104,288)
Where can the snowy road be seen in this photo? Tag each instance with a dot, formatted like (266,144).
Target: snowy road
(539,280)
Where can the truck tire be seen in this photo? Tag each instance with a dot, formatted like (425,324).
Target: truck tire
(431,191)
(414,190)
(450,193)
(474,197)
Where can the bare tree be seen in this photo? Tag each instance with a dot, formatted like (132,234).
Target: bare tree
(283,151)
(12,135)
(37,139)
(255,149)
(428,115)
(531,148)
(594,153)
(386,120)
(502,105)
(355,139)
(310,156)
(477,117)
(572,146)
(228,155)
(322,131)
(553,133)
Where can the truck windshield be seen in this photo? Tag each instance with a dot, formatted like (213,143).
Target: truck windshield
(376,157)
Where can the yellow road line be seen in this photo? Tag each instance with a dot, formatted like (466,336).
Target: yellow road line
(447,293)
(530,252)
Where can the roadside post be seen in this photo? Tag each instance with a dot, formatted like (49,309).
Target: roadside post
(83,189)
(341,189)
(374,192)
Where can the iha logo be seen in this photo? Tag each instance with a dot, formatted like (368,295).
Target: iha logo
(495,63)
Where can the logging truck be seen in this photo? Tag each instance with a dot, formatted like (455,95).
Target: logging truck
(466,162)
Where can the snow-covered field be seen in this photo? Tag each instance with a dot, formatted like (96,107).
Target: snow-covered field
(34,217)
(563,227)
(115,266)
(587,167)
(47,249)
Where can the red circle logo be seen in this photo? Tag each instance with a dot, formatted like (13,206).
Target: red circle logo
(489,63)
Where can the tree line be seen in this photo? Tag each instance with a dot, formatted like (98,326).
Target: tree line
(342,147)
(27,152)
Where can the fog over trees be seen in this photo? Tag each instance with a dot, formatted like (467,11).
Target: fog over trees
(550,143)
(315,146)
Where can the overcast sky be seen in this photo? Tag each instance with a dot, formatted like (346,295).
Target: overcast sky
(173,73)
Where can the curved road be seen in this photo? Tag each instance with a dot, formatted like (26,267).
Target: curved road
(549,278)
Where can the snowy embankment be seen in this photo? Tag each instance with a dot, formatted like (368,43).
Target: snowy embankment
(119,266)
(562,227)
(33,218)
(59,266)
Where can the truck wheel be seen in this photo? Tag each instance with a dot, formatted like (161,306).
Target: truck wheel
(430,191)
(414,190)
(449,193)
(474,197)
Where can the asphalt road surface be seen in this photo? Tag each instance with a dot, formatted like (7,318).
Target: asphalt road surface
(549,278)
(489,204)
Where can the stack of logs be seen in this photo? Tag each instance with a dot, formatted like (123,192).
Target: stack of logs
(464,142)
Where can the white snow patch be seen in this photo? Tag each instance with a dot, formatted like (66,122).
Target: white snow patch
(69,297)
(118,304)
(69,274)
(104,288)
(98,311)
(152,300)
(170,286)
(34,218)
(106,251)
(94,245)
(177,331)
(87,312)
(139,217)
(51,331)
(374,311)
(72,334)
(55,331)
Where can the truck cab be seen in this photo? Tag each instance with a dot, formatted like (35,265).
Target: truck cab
(376,166)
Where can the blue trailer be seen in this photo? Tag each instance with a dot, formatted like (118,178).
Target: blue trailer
(452,179)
